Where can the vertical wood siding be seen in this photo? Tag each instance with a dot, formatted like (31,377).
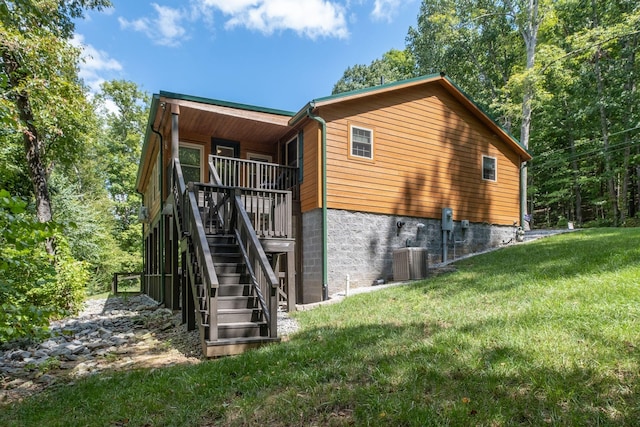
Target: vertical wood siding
(427,155)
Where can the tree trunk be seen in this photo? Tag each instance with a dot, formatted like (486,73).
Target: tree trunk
(576,176)
(33,145)
(529,33)
(604,126)
(628,198)
(638,188)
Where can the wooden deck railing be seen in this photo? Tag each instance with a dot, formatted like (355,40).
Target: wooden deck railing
(269,211)
(232,172)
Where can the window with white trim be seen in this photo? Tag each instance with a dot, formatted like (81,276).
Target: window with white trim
(489,168)
(190,156)
(361,142)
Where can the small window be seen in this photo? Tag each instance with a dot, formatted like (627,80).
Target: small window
(361,142)
(292,153)
(489,166)
(191,161)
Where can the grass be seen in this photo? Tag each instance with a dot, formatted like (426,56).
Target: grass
(536,334)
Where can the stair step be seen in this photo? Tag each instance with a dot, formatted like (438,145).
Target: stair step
(221,238)
(229,302)
(241,329)
(224,247)
(235,290)
(232,279)
(239,315)
(226,257)
(229,267)
(232,346)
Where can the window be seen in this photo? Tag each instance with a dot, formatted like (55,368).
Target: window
(190,156)
(361,142)
(293,153)
(489,166)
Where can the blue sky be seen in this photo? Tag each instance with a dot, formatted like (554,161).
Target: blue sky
(270,53)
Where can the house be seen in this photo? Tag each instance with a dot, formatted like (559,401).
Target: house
(246,208)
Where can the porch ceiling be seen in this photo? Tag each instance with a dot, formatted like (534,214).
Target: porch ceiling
(231,123)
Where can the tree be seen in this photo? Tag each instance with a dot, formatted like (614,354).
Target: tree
(474,42)
(119,147)
(121,144)
(393,66)
(43,100)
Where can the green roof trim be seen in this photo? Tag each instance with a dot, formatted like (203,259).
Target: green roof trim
(228,104)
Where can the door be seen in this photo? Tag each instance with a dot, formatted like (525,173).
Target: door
(228,171)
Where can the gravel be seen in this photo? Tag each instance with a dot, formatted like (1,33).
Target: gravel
(116,333)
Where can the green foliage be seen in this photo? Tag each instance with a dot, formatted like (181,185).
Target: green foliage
(119,149)
(24,266)
(92,232)
(394,65)
(34,286)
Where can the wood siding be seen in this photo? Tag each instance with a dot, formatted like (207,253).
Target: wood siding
(311,186)
(427,154)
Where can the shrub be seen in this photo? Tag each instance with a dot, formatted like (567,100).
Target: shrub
(34,286)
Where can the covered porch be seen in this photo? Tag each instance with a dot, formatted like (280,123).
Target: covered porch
(221,189)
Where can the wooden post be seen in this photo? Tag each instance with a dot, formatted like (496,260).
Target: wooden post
(175,277)
(175,134)
(184,284)
(291,281)
(190,308)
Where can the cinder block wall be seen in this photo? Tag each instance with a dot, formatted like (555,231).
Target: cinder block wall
(362,244)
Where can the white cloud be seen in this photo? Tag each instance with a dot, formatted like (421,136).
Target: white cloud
(310,18)
(165,29)
(94,64)
(385,10)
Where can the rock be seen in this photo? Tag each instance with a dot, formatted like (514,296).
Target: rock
(76,348)
(105,332)
(60,351)
(40,353)
(19,355)
(52,343)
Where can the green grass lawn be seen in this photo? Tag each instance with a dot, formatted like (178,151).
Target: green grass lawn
(535,334)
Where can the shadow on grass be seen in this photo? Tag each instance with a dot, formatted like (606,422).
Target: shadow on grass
(413,374)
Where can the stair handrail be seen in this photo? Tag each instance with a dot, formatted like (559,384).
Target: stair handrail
(178,188)
(186,207)
(199,238)
(259,258)
(252,275)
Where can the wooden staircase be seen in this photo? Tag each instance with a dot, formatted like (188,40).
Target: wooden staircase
(230,291)
(241,319)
